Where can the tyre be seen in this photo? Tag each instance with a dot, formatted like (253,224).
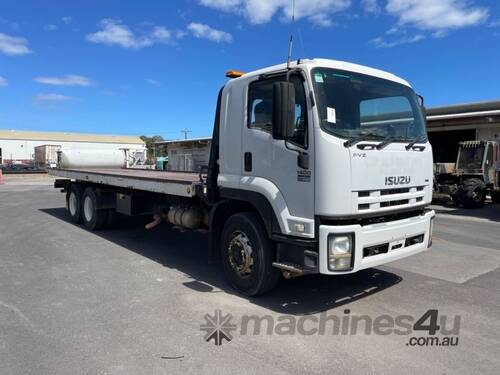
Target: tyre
(247,255)
(93,218)
(473,193)
(73,203)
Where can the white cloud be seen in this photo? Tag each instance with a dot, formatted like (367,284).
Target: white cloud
(203,31)
(50,27)
(432,15)
(318,12)
(67,20)
(321,20)
(370,6)
(13,45)
(68,80)
(114,32)
(52,98)
(380,42)
(495,23)
(153,82)
(3,82)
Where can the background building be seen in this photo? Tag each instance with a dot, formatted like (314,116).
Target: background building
(19,146)
(186,155)
(447,126)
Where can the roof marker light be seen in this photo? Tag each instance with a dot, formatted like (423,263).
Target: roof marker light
(234,74)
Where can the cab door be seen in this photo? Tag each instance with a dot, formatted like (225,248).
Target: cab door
(276,161)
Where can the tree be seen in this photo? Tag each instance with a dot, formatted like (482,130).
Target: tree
(150,144)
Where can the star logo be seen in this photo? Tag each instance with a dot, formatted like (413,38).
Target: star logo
(218,327)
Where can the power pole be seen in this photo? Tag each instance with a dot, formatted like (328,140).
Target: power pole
(185,131)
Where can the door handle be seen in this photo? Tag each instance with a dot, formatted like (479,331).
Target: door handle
(248,162)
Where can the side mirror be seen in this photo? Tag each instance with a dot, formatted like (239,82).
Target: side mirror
(420,100)
(422,105)
(283,110)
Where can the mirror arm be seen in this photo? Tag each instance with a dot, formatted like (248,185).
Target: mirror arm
(299,153)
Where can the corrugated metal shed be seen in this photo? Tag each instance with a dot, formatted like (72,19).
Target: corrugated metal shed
(184,141)
(187,155)
(449,125)
(68,137)
(464,110)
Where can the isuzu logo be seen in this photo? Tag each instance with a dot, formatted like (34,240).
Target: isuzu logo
(397,180)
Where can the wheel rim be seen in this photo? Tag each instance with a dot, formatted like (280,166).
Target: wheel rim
(88,209)
(239,252)
(72,204)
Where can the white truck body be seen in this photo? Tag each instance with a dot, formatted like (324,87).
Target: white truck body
(360,190)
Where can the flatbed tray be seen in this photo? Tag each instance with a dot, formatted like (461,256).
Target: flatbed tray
(166,182)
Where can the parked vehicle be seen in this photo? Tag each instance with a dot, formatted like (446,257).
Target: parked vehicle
(477,174)
(46,155)
(319,166)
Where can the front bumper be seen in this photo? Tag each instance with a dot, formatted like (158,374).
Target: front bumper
(390,234)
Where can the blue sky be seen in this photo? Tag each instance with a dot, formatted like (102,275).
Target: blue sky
(155,67)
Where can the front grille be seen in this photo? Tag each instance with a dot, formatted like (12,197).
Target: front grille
(394,191)
(414,240)
(370,220)
(375,250)
(384,248)
(372,200)
(394,203)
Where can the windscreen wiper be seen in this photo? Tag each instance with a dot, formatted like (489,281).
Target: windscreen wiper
(414,142)
(364,137)
(387,142)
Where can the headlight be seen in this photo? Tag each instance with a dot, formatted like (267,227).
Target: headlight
(431,231)
(340,249)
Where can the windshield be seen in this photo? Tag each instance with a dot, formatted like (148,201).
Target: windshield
(471,157)
(352,105)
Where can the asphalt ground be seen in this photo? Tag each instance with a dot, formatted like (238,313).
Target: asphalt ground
(131,301)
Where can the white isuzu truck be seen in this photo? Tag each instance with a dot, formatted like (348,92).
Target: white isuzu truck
(317,166)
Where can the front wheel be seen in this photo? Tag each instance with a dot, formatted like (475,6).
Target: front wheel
(247,255)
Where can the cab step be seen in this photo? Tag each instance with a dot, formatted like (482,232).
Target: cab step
(295,269)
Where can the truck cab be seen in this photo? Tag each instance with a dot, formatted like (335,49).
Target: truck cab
(337,157)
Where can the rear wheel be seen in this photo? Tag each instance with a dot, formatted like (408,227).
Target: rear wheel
(473,193)
(247,255)
(93,218)
(73,203)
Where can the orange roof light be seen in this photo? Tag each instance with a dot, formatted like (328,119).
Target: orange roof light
(234,74)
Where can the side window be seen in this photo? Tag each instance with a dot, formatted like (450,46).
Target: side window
(300,134)
(260,108)
(260,105)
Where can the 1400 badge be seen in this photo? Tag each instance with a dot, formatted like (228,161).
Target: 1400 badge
(303,175)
